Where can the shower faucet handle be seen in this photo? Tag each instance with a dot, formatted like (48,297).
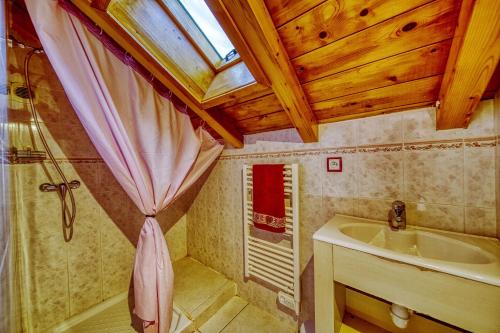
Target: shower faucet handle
(48,187)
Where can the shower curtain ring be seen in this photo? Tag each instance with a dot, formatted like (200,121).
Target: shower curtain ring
(100,28)
(128,57)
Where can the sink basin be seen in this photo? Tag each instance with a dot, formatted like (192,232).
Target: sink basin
(417,243)
(468,256)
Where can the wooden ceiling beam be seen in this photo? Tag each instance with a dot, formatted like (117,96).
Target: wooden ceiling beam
(100,4)
(474,55)
(253,22)
(225,129)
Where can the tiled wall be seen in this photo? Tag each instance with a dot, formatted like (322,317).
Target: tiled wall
(497,154)
(61,279)
(446,178)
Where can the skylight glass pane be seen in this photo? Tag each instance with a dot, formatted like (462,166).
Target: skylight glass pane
(208,24)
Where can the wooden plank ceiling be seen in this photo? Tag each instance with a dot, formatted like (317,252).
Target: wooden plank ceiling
(314,61)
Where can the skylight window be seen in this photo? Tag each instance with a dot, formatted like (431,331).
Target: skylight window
(207,23)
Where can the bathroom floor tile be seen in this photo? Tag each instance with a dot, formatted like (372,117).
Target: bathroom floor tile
(115,319)
(197,287)
(253,319)
(224,316)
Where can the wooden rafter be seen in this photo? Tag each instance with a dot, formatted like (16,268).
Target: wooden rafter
(474,55)
(226,130)
(257,28)
(100,4)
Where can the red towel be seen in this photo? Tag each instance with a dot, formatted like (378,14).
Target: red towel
(269,197)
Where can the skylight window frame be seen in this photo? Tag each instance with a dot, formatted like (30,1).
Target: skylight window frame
(196,36)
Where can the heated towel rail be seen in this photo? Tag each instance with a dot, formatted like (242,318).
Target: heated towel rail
(276,263)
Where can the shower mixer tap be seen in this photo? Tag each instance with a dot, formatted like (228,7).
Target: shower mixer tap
(48,187)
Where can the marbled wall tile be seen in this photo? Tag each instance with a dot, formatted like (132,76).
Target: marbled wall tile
(479,173)
(339,184)
(46,271)
(310,167)
(84,250)
(373,209)
(380,175)
(480,221)
(482,123)
(338,205)
(383,129)
(434,176)
(420,125)
(84,262)
(176,239)
(445,217)
(340,134)
(311,219)
(117,258)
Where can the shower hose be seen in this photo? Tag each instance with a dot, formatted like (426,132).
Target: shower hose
(68,216)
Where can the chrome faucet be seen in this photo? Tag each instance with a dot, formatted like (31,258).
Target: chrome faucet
(397,216)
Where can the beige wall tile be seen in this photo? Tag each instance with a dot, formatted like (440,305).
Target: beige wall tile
(482,123)
(434,176)
(44,253)
(373,209)
(84,250)
(420,126)
(310,168)
(444,217)
(339,184)
(380,130)
(480,221)
(338,205)
(479,175)
(380,175)
(117,258)
(340,134)
(176,238)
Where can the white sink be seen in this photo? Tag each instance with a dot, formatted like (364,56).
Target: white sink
(468,256)
(417,243)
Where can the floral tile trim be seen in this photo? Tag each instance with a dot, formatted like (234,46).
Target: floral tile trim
(380,148)
(411,146)
(434,146)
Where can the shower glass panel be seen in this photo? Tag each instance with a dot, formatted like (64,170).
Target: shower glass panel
(6,271)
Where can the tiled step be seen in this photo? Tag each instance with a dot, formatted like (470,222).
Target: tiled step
(199,290)
(253,319)
(224,316)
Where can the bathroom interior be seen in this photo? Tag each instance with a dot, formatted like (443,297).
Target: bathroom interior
(250,166)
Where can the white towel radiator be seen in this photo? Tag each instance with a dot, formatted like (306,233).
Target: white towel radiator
(275,263)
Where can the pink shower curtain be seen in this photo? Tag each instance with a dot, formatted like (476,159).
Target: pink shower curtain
(148,144)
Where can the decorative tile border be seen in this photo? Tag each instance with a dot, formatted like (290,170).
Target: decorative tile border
(380,148)
(411,146)
(433,146)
